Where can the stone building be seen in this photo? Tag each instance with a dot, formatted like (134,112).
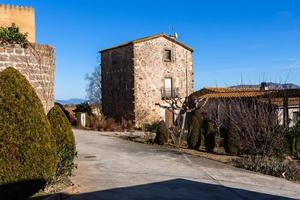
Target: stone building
(139,74)
(36,62)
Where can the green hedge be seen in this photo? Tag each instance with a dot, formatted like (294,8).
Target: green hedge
(210,136)
(65,141)
(233,142)
(162,134)
(194,136)
(27,147)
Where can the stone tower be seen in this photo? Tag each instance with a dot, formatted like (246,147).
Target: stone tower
(139,74)
(23,17)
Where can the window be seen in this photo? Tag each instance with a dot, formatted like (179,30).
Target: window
(168,55)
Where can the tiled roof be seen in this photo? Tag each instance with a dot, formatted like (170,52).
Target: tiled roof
(149,38)
(276,95)
(230,92)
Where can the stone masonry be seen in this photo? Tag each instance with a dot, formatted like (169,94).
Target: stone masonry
(37,64)
(133,77)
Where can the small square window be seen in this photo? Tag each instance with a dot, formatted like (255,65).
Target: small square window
(168,55)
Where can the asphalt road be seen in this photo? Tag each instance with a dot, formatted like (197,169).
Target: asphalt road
(110,168)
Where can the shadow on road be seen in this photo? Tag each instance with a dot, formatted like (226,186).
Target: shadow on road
(175,189)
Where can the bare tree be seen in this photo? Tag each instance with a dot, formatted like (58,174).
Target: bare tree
(93,89)
(181,108)
(256,121)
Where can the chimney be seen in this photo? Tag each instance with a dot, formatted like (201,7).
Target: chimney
(263,86)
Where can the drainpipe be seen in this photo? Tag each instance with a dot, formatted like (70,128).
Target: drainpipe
(186,75)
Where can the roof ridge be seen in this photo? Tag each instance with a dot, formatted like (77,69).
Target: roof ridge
(162,34)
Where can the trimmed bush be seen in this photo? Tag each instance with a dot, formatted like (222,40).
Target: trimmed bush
(210,136)
(194,137)
(162,134)
(232,142)
(27,147)
(65,142)
(294,140)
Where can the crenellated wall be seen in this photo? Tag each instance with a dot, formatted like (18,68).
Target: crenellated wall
(37,64)
(23,17)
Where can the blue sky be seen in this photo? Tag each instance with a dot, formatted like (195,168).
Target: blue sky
(234,40)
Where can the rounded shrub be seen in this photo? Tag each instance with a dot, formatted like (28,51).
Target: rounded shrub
(232,139)
(194,137)
(162,134)
(210,136)
(65,142)
(27,148)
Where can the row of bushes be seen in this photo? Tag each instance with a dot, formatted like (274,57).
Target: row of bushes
(34,148)
(201,128)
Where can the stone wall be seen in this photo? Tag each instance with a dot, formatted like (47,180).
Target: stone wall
(117,83)
(150,70)
(37,64)
(23,17)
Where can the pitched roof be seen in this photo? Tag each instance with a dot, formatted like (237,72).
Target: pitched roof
(276,96)
(213,93)
(149,38)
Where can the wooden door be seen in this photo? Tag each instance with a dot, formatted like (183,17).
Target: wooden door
(169,117)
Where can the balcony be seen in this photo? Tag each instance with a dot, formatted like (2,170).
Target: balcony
(168,93)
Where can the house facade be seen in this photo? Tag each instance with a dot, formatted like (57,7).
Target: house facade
(285,101)
(138,75)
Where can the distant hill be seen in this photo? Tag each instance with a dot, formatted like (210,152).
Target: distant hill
(271,85)
(70,101)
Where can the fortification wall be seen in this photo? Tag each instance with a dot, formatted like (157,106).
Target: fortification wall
(37,64)
(23,17)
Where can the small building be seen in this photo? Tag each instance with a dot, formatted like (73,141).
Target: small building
(285,101)
(138,75)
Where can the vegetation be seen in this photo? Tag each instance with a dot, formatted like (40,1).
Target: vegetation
(28,150)
(102,123)
(271,166)
(72,119)
(93,89)
(209,136)
(65,143)
(11,35)
(84,108)
(232,139)
(294,140)
(194,136)
(153,127)
(162,134)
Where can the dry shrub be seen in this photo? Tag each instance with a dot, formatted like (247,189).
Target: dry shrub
(126,124)
(271,166)
(101,123)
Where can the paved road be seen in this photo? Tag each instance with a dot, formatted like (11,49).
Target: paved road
(111,168)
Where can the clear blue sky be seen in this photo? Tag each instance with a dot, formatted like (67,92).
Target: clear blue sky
(253,39)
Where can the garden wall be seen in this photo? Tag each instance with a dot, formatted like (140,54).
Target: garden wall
(37,64)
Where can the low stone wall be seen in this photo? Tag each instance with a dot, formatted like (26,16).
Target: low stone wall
(37,64)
